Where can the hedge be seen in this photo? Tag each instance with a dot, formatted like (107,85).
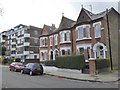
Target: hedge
(8,60)
(70,62)
(102,63)
(50,63)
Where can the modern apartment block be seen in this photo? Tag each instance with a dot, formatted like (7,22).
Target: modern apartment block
(22,42)
(3,43)
(94,35)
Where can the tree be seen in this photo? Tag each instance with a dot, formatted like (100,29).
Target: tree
(3,50)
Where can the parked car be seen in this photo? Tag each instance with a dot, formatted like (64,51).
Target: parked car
(33,68)
(15,66)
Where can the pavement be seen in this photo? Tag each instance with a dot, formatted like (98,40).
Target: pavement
(105,77)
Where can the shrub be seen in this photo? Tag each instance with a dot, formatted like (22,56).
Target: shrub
(4,61)
(1,59)
(102,63)
(10,60)
(70,62)
(50,63)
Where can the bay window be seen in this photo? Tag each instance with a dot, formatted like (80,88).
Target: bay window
(51,40)
(87,31)
(68,36)
(80,32)
(62,37)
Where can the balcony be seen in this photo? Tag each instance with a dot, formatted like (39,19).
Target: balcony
(13,55)
(3,41)
(26,35)
(13,42)
(13,37)
(26,43)
(26,52)
(13,49)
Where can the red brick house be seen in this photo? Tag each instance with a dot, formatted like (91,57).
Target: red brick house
(45,42)
(91,35)
(56,41)
(88,35)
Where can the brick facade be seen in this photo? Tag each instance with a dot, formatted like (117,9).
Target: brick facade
(88,35)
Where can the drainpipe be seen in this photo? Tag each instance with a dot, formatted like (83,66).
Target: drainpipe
(109,39)
(72,39)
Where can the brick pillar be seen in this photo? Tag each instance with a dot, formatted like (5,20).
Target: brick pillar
(92,66)
(85,54)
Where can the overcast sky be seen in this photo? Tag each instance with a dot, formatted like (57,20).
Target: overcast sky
(40,12)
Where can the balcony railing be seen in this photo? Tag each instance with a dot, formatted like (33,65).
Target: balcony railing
(12,49)
(26,52)
(13,42)
(26,43)
(26,35)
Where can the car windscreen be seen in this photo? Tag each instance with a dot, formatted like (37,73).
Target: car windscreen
(36,65)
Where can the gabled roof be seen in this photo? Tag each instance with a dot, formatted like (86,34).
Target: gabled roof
(91,15)
(48,29)
(66,23)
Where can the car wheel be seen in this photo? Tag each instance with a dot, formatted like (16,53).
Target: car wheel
(10,69)
(22,71)
(31,73)
(41,72)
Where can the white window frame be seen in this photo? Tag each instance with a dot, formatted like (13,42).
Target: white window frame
(80,33)
(56,39)
(51,40)
(68,36)
(97,32)
(87,30)
(62,36)
(41,42)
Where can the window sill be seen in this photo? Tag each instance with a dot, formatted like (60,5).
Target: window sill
(65,42)
(83,39)
(98,37)
(43,46)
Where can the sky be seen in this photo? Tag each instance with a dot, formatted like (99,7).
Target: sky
(40,12)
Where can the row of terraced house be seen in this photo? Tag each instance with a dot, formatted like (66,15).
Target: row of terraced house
(94,35)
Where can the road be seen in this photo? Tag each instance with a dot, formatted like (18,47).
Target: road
(18,80)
